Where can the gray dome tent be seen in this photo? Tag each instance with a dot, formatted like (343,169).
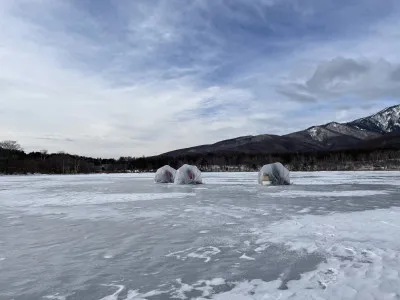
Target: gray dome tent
(274,174)
(165,174)
(188,174)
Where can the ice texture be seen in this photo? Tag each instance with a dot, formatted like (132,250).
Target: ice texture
(327,235)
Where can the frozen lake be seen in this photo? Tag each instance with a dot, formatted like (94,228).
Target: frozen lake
(330,235)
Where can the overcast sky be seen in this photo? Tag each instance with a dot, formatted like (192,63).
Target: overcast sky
(142,77)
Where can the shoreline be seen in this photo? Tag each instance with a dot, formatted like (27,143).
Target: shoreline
(203,172)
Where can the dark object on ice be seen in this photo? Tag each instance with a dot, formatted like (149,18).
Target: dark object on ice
(274,174)
(165,174)
(188,174)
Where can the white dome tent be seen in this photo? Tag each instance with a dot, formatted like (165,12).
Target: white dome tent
(274,174)
(188,174)
(165,174)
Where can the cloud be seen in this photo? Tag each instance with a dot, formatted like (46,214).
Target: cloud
(332,74)
(297,92)
(346,77)
(111,78)
(395,74)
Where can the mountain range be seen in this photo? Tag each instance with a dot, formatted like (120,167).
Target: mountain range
(381,130)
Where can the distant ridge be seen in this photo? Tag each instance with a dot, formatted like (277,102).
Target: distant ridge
(378,130)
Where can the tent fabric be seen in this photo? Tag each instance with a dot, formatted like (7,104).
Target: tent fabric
(165,174)
(276,172)
(188,174)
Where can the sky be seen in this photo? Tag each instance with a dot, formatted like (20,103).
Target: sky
(111,78)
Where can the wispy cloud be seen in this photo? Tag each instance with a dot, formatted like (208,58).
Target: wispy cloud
(111,78)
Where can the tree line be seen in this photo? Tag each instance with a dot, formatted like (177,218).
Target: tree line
(13,160)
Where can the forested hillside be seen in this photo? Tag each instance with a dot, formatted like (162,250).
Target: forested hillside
(13,160)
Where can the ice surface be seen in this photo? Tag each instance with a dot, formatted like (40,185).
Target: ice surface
(329,235)
(362,252)
(352,193)
(21,198)
(340,177)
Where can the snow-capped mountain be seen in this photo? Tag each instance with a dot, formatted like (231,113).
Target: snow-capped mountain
(385,121)
(382,127)
(334,135)
(344,135)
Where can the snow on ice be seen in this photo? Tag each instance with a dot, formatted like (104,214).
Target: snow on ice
(329,235)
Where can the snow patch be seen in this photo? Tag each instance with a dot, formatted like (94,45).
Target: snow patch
(56,297)
(205,253)
(316,133)
(304,210)
(244,256)
(358,248)
(202,253)
(113,296)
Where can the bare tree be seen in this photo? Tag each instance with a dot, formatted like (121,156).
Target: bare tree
(10,145)
(62,154)
(43,153)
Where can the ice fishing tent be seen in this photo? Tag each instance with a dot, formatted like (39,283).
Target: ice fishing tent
(188,174)
(165,174)
(274,174)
